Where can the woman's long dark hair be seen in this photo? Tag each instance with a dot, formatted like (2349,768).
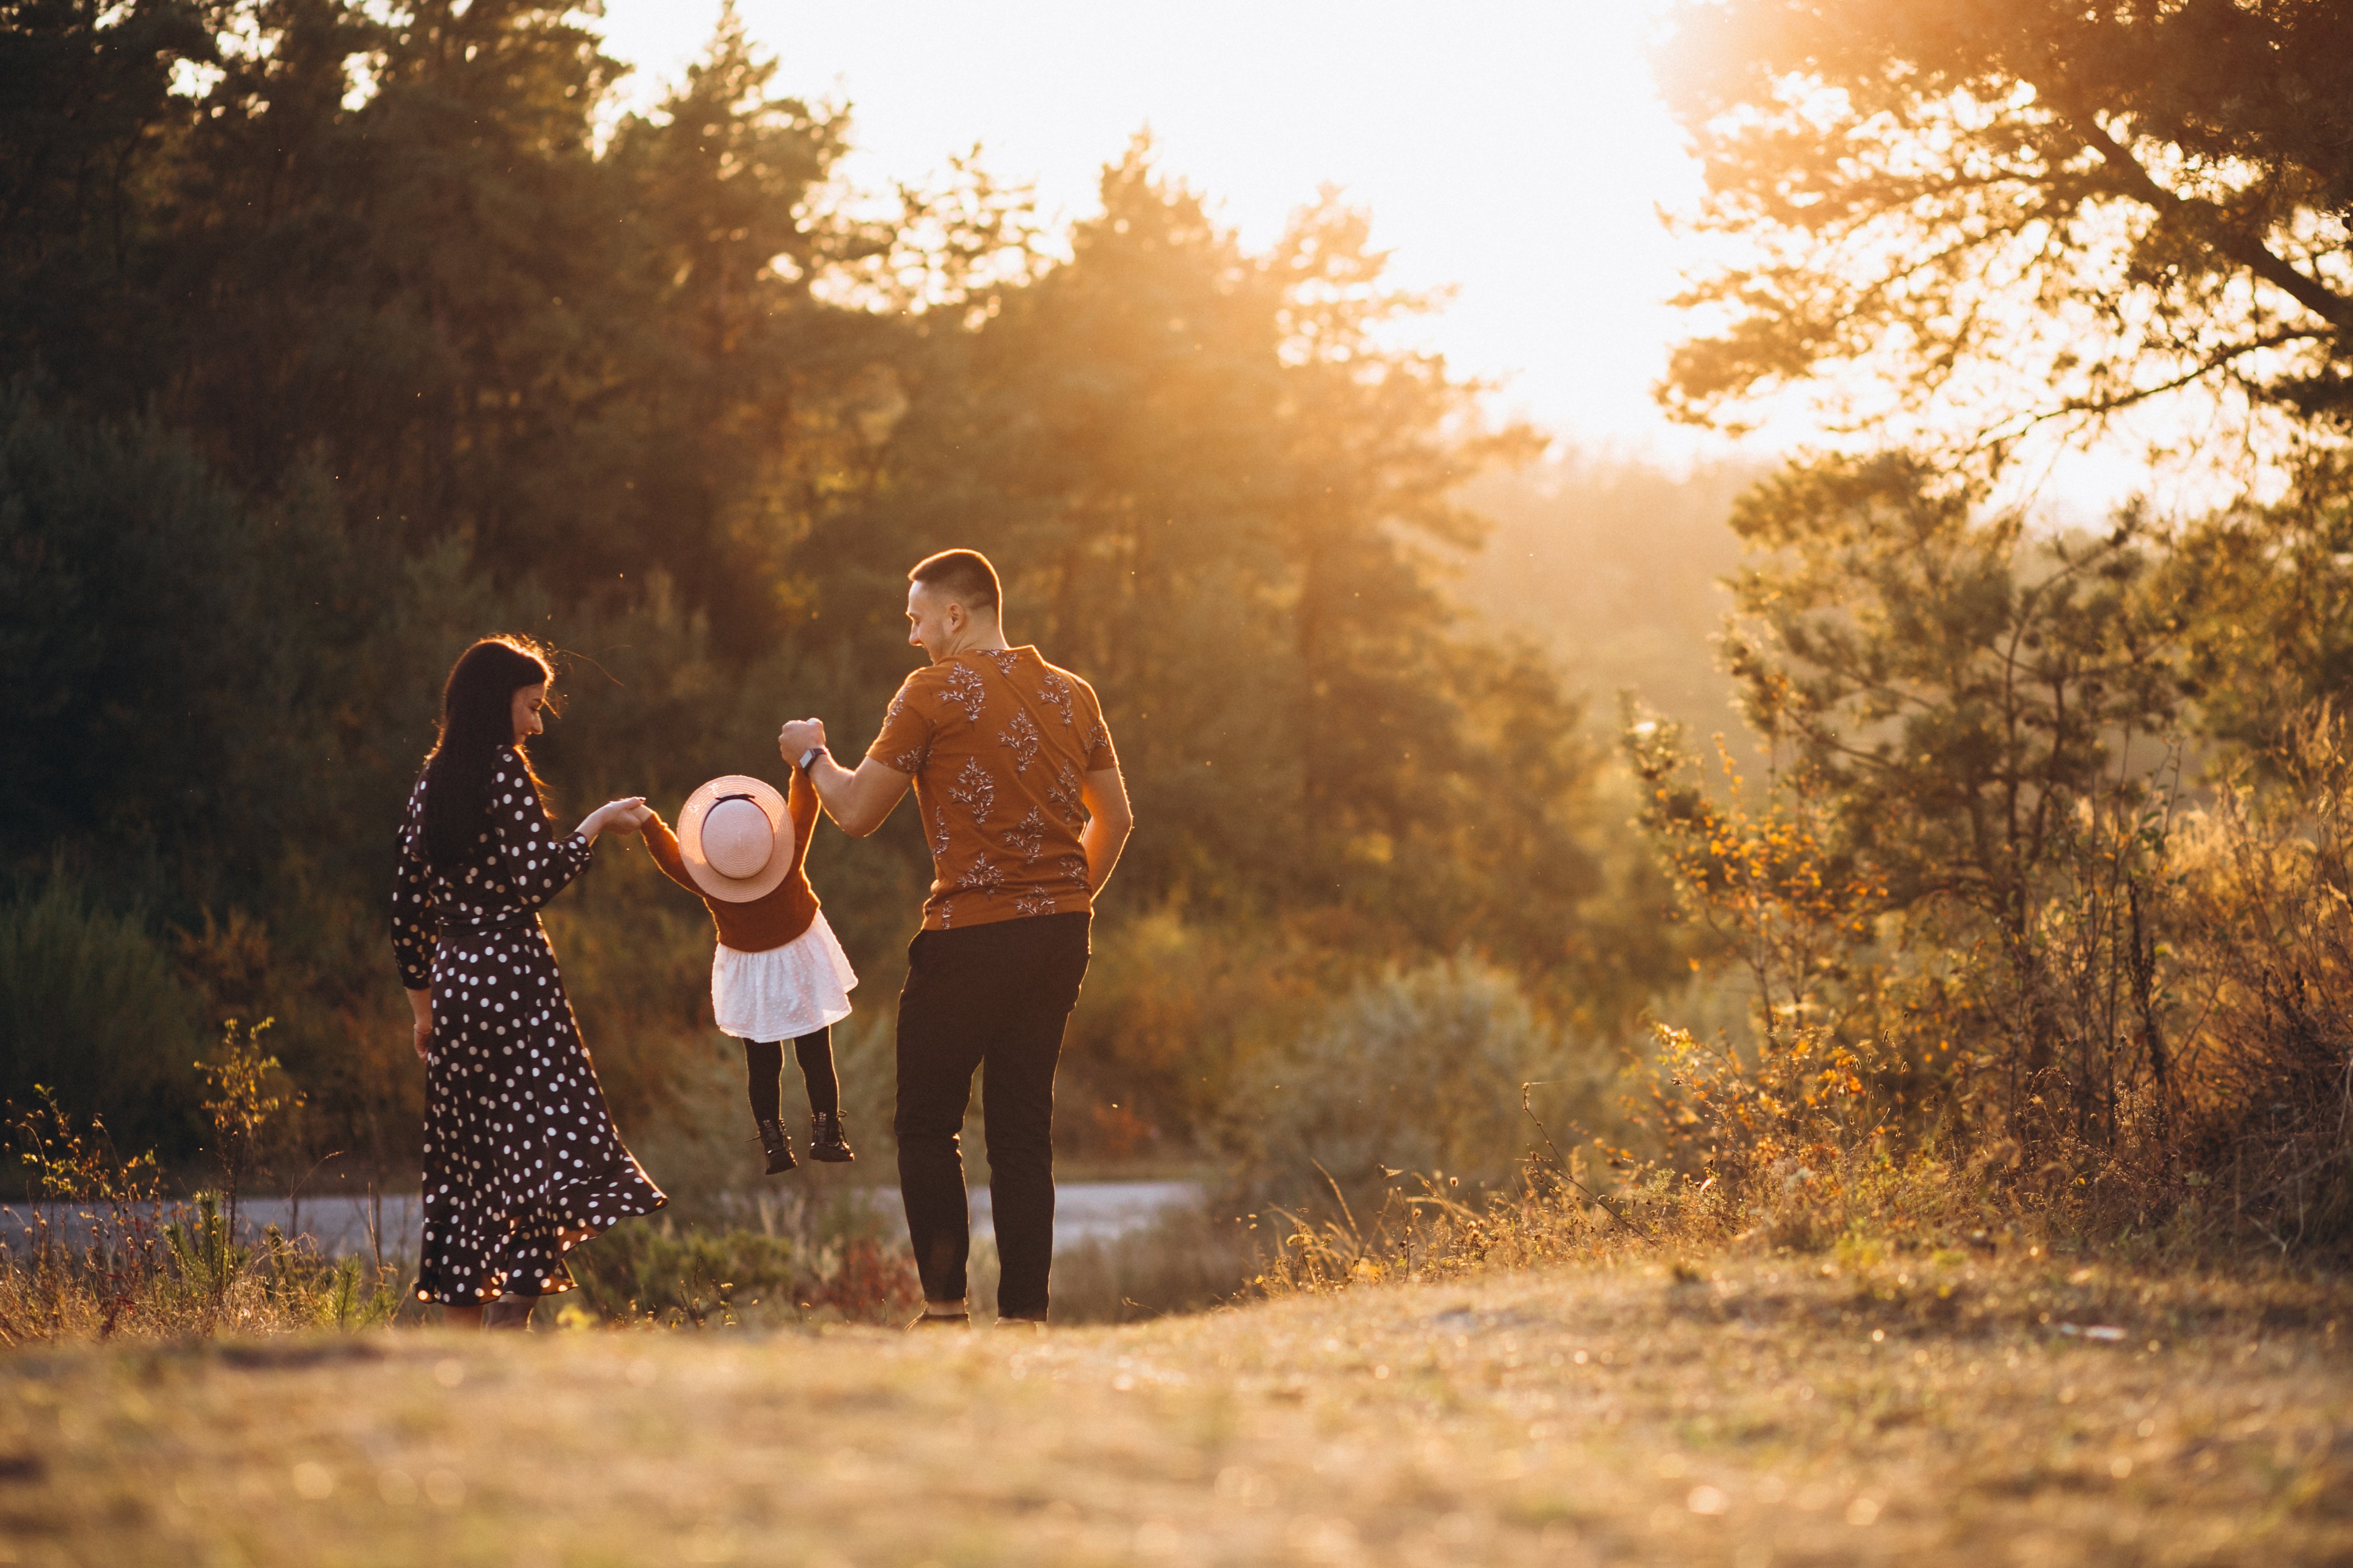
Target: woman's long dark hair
(477,720)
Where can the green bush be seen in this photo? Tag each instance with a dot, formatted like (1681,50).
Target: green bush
(1418,1071)
(694,1276)
(92,1006)
(776,1259)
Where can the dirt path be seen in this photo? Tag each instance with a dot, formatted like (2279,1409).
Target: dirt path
(1768,1414)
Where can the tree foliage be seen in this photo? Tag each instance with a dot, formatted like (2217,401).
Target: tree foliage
(335,336)
(2021,210)
(1970,725)
(1224,501)
(2048,810)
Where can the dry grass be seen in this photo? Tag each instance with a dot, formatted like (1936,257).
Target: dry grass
(1930,1410)
(154,1270)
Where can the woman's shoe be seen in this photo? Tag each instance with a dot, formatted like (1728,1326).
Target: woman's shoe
(510,1313)
(779,1147)
(826,1140)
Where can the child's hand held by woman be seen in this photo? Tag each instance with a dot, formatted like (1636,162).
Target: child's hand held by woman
(627,814)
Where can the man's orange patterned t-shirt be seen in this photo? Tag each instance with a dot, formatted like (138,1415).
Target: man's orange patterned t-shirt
(998,742)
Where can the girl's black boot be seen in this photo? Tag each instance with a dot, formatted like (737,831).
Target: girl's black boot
(826,1140)
(779,1147)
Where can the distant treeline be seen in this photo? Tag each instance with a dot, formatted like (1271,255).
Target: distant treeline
(329,342)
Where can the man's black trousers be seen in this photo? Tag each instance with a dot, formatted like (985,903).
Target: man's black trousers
(991,996)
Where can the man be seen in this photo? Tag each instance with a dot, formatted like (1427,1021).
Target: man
(1025,812)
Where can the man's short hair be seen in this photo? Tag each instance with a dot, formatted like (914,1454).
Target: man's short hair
(964,576)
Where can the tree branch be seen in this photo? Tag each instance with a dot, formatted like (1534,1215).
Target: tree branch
(2235,242)
(2098,407)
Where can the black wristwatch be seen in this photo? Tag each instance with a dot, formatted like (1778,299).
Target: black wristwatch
(811,756)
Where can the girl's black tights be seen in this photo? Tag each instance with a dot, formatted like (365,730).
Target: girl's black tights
(764,1068)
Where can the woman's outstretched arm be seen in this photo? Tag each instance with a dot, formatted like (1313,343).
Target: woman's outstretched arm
(628,814)
(533,861)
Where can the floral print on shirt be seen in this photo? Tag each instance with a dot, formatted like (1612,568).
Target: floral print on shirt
(999,743)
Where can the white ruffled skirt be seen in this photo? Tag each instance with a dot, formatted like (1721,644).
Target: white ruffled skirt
(786,992)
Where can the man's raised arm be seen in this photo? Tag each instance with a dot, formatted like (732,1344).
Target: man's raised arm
(858,801)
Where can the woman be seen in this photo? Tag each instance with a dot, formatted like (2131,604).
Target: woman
(522,1160)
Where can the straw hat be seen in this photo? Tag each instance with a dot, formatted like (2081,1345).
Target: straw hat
(734,838)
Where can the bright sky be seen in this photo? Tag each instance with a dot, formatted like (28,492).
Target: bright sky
(1514,151)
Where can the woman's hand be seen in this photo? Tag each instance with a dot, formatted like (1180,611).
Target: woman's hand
(624,815)
(629,815)
(421,1003)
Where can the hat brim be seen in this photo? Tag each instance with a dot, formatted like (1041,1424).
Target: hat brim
(735,890)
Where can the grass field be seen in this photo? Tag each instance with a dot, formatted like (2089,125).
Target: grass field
(1745,1412)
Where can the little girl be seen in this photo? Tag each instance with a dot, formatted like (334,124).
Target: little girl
(779,974)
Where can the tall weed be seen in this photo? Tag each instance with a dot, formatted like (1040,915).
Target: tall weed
(97,1251)
(2263,957)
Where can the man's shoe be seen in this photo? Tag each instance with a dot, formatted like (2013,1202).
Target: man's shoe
(941,1320)
(826,1140)
(779,1147)
(1023,1325)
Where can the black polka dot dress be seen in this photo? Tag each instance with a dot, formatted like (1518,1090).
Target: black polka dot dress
(520,1150)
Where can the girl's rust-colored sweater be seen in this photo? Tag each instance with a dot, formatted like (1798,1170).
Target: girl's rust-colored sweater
(774,918)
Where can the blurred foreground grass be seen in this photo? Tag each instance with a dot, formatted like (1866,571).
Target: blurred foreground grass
(1942,1409)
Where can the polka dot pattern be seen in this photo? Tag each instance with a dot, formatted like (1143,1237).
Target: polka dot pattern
(522,1158)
